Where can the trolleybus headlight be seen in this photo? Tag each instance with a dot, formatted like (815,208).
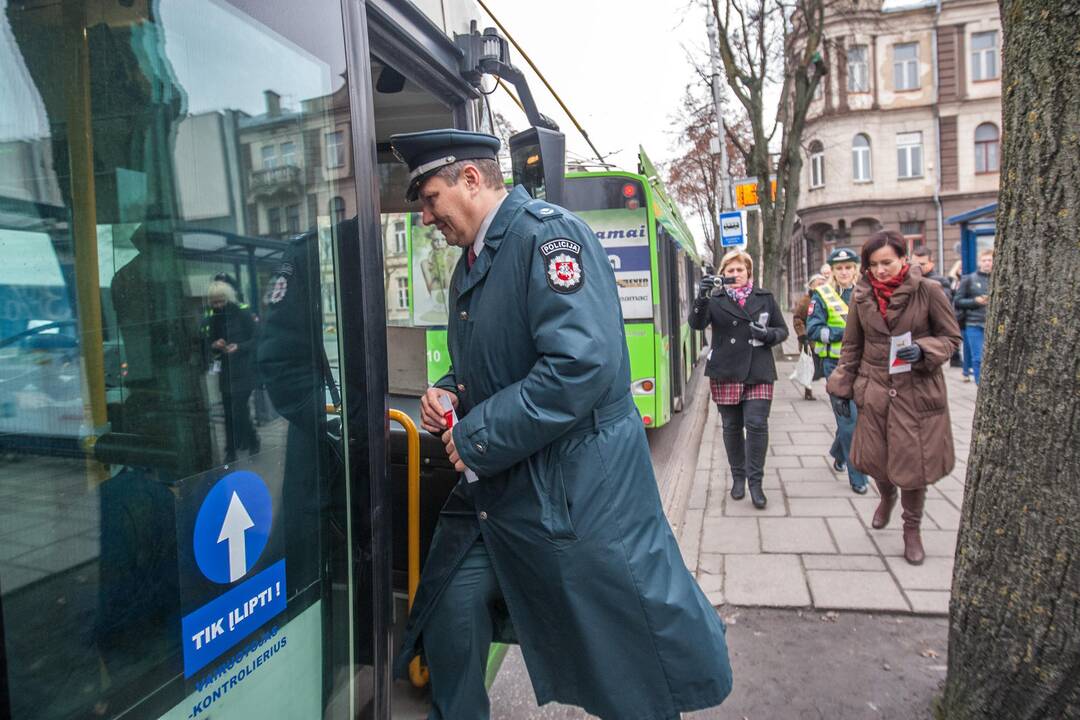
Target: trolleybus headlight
(645,386)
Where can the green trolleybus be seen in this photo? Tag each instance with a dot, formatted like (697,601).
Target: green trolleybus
(649,246)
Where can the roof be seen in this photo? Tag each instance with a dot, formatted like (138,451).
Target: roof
(982,212)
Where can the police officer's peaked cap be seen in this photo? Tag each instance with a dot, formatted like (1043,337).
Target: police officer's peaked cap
(842,255)
(428,151)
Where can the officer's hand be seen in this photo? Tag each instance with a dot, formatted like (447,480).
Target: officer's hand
(451,451)
(825,336)
(758,331)
(218,344)
(705,287)
(431,412)
(910,353)
(841,406)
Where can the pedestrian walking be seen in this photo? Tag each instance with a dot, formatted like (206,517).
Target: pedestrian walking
(798,320)
(900,333)
(971,299)
(746,323)
(228,330)
(561,542)
(922,257)
(825,327)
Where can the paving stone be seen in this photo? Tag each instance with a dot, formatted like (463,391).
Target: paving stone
(730,535)
(807,474)
(943,513)
(820,507)
(852,590)
(783,461)
(844,562)
(712,563)
(699,492)
(934,574)
(936,543)
(810,437)
(865,507)
(713,587)
(796,449)
(690,537)
(929,602)
(832,489)
(850,536)
(795,535)
(766,580)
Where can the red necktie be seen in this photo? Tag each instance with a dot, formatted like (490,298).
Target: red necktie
(471,257)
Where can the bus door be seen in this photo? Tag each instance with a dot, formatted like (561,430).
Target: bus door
(672,290)
(178,183)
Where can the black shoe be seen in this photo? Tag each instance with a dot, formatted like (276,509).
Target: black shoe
(860,489)
(738,489)
(757,496)
(839,466)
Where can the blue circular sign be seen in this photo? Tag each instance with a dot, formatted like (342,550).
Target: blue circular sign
(233,526)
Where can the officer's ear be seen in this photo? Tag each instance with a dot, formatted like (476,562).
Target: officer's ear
(470,174)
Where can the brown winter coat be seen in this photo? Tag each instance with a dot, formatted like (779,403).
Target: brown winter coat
(798,315)
(903,433)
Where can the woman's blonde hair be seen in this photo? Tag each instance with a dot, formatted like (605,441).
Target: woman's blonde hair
(219,288)
(739,255)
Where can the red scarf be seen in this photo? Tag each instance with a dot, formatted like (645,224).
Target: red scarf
(883,289)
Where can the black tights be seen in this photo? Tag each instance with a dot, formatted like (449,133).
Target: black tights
(746,455)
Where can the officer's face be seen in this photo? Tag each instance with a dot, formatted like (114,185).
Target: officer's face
(844,273)
(450,208)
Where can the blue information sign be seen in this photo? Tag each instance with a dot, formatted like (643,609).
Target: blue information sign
(731,229)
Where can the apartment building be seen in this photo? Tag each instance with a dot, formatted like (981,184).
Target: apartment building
(905,130)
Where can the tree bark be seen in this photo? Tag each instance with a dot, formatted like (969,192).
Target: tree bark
(1014,641)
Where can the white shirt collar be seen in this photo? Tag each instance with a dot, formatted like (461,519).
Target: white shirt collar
(478,242)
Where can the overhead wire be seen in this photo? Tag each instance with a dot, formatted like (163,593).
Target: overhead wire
(543,79)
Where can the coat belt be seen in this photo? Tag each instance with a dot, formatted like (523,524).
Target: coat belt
(603,416)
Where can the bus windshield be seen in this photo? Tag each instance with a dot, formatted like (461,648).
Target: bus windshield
(615,209)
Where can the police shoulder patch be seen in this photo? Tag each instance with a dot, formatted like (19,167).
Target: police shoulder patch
(562,264)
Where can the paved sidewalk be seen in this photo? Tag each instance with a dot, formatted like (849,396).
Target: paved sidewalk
(813,545)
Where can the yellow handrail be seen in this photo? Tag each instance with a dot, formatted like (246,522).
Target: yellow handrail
(417,672)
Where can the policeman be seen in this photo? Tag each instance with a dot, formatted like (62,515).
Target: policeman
(561,544)
(825,325)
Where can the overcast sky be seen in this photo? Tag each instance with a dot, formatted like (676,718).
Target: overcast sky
(621,68)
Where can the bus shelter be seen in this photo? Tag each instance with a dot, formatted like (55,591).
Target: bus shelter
(978,228)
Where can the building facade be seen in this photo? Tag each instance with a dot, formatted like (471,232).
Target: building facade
(905,130)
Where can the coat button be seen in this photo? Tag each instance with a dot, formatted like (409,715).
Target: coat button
(464,315)
(732,341)
(892,392)
(483,515)
(481,447)
(460,388)
(734,322)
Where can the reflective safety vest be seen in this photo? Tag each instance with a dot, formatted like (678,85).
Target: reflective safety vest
(838,312)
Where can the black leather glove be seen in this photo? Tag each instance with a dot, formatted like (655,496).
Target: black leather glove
(758,331)
(841,406)
(705,287)
(910,353)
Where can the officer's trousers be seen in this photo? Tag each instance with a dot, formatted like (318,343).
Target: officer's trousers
(845,432)
(457,637)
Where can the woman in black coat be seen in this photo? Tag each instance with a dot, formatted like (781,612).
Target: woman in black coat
(229,331)
(746,323)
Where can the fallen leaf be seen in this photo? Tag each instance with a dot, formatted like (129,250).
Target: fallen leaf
(929,653)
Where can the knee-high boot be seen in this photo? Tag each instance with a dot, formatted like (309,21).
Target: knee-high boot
(756,413)
(913,502)
(885,507)
(731,417)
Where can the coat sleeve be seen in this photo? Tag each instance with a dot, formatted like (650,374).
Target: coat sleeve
(447,382)
(944,338)
(798,315)
(580,344)
(699,314)
(778,329)
(841,382)
(964,299)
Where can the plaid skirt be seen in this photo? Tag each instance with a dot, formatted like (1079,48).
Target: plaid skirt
(733,393)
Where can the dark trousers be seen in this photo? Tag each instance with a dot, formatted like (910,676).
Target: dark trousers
(457,637)
(746,438)
(239,430)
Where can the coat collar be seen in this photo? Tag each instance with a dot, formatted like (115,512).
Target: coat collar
(732,308)
(469,277)
(901,297)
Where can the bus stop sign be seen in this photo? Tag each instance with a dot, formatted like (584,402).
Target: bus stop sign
(732,233)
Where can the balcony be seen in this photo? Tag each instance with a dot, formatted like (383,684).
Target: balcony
(284,180)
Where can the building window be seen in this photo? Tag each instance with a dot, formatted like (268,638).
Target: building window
(335,149)
(911,228)
(858,73)
(984,64)
(817,164)
(312,210)
(269,157)
(909,155)
(292,219)
(273,219)
(986,148)
(860,158)
(403,293)
(288,153)
(337,209)
(906,66)
(399,238)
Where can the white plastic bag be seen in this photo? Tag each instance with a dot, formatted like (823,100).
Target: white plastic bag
(803,377)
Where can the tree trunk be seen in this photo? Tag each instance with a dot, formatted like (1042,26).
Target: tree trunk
(1014,645)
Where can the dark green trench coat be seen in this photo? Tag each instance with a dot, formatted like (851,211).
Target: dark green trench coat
(597,594)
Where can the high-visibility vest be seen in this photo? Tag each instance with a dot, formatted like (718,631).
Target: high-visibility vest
(838,312)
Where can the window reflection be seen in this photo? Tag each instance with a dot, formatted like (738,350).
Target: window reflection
(154,192)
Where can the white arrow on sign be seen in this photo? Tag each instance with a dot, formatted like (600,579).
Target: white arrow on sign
(237,522)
